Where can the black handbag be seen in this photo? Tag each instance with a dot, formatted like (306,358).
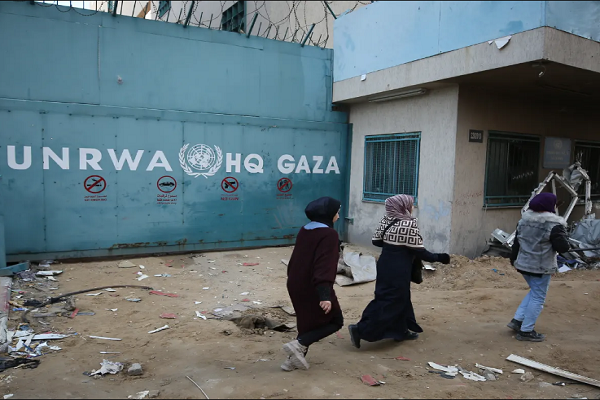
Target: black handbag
(416,273)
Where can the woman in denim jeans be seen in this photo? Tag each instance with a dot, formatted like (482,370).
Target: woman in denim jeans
(540,235)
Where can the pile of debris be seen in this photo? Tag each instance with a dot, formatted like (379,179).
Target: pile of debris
(584,234)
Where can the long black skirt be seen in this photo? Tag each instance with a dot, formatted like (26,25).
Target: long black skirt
(390,314)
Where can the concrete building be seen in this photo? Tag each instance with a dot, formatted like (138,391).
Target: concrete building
(467,106)
(288,20)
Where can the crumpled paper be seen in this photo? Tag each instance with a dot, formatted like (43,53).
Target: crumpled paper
(108,367)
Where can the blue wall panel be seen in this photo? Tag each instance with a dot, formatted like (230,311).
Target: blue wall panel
(389,33)
(180,87)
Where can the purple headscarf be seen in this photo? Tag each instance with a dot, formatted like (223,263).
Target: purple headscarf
(543,202)
(399,206)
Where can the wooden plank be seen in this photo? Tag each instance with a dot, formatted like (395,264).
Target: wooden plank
(553,370)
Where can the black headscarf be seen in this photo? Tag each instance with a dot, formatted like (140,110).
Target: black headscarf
(323,210)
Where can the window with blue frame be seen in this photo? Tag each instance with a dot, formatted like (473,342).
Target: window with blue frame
(391,165)
(588,154)
(512,168)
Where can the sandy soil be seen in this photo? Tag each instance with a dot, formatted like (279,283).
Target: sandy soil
(463,308)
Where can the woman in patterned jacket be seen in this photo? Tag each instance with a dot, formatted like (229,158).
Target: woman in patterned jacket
(390,315)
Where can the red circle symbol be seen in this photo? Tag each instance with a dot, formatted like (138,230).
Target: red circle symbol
(284,185)
(166,184)
(230,184)
(94,184)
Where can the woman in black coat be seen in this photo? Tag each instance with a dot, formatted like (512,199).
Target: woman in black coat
(390,315)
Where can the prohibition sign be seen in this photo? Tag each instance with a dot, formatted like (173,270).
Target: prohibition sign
(167,182)
(230,184)
(284,185)
(94,184)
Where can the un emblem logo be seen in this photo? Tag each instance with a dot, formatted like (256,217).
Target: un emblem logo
(200,159)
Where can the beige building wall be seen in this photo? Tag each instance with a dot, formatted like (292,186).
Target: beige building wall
(435,116)
(472,224)
(297,16)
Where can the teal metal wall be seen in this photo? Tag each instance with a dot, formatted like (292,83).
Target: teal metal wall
(190,107)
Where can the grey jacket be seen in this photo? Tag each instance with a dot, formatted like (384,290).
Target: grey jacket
(539,237)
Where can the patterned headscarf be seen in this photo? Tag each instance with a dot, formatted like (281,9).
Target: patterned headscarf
(399,206)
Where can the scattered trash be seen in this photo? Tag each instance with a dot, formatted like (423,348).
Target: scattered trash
(199,315)
(110,352)
(48,273)
(49,336)
(19,309)
(197,302)
(134,300)
(110,290)
(552,370)
(108,367)
(250,264)
(74,313)
(135,370)
(126,264)
(232,368)
(564,269)
(162,328)
(159,293)
(168,316)
(400,358)
(8,396)
(104,338)
(112,309)
(518,371)
(257,302)
(494,370)
(51,278)
(357,268)
(93,294)
(496,271)
(285,262)
(45,263)
(141,276)
(369,380)
(452,371)
(197,386)
(6,363)
(205,288)
(526,377)
(428,267)
(139,395)
(472,376)
(163,275)
(244,294)
(142,267)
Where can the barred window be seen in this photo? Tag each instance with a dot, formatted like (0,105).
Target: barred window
(512,168)
(588,154)
(234,18)
(391,165)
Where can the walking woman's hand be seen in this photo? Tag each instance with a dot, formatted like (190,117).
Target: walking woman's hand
(326,306)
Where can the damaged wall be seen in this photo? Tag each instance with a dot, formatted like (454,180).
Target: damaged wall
(123,141)
(436,167)
(472,224)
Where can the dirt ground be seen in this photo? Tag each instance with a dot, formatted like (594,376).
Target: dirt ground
(463,307)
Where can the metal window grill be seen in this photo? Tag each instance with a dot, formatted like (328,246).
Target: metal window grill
(234,18)
(588,154)
(391,165)
(512,168)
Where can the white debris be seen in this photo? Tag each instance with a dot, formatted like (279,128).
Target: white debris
(93,294)
(142,267)
(49,336)
(495,370)
(205,288)
(428,267)
(142,277)
(518,371)
(139,395)
(48,273)
(110,290)
(256,302)
(112,309)
(162,328)
(104,338)
(197,302)
(51,278)
(8,396)
(244,293)
(472,376)
(108,367)
(285,262)
(449,370)
(126,264)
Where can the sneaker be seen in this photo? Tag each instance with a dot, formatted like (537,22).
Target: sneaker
(532,336)
(354,336)
(515,325)
(296,353)
(287,365)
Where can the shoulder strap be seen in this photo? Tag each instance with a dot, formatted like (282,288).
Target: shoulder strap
(388,227)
